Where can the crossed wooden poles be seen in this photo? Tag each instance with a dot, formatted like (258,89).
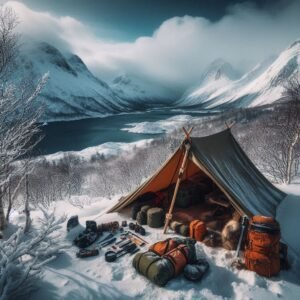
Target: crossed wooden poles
(187,143)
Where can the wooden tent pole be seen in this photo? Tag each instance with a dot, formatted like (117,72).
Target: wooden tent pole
(180,175)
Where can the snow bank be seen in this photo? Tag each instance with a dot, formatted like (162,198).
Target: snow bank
(71,278)
(162,126)
(107,150)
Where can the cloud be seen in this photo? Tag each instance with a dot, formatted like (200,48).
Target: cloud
(179,49)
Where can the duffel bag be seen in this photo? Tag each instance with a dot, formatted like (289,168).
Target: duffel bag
(262,264)
(179,257)
(157,269)
(162,247)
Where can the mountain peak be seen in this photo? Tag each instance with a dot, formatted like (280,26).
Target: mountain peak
(295,44)
(217,70)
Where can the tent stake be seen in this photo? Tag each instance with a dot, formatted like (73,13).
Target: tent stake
(180,175)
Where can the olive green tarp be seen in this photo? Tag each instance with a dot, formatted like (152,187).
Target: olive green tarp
(219,157)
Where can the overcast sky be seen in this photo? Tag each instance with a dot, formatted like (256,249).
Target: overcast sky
(166,42)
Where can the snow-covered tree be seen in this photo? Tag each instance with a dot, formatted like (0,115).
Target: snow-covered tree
(19,114)
(22,256)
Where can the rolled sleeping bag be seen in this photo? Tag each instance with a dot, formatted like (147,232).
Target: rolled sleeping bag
(145,208)
(141,218)
(155,217)
(158,270)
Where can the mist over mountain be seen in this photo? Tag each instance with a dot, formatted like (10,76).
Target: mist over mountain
(74,92)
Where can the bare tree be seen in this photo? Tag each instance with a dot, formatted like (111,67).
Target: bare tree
(292,93)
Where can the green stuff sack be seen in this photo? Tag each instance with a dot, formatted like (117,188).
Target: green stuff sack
(141,218)
(155,217)
(158,270)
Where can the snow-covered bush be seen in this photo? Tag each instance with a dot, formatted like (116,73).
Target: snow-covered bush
(23,256)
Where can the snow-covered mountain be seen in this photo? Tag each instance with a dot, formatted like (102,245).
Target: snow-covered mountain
(262,85)
(139,93)
(72,91)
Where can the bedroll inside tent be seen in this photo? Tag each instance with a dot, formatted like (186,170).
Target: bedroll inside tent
(219,162)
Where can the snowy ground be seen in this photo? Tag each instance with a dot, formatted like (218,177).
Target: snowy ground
(71,278)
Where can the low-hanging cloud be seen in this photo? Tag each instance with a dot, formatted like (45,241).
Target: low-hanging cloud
(179,49)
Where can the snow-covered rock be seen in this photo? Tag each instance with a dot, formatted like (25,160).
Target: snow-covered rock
(262,85)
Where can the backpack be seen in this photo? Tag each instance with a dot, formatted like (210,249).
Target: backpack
(262,246)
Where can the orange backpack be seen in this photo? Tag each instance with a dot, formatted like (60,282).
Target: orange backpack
(262,264)
(197,230)
(162,247)
(179,258)
(262,246)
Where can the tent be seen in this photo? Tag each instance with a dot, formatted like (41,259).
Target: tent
(219,157)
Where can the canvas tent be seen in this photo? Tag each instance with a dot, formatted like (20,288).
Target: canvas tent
(219,157)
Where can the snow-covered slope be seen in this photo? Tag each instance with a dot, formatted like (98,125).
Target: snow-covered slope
(138,93)
(263,85)
(72,91)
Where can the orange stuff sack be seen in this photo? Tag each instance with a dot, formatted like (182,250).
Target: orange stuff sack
(179,258)
(197,230)
(162,247)
(262,264)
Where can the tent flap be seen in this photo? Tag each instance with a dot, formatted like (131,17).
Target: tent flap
(230,167)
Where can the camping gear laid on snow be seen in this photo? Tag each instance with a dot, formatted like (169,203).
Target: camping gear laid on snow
(111,256)
(196,271)
(158,270)
(132,233)
(136,241)
(72,222)
(231,234)
(137,228)
(82,253)
(88,236)
(263,244)
(111,226)
(91,225)
(207,156)
(141,218)
(155,217)
(197,230)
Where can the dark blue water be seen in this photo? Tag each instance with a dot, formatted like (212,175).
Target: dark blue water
(80,134)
